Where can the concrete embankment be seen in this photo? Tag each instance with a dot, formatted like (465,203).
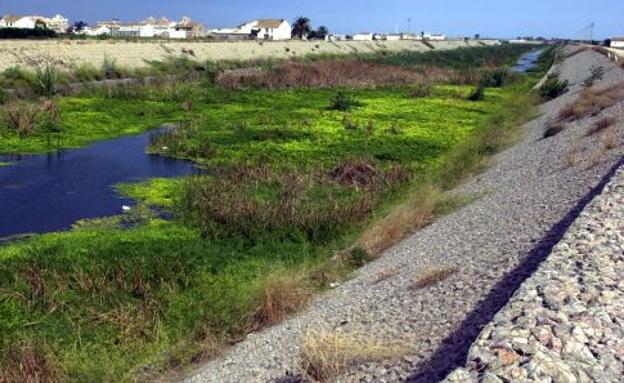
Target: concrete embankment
(132,54)
(529,198)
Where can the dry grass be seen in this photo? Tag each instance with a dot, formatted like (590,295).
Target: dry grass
(283,294)
(592,101)
(611,139)
(415,213)
(385,274)
(325,355)
(601,125)
(26,363)
(431,277)
(571,158)
(334,73)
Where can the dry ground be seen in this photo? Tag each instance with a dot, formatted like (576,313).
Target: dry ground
(71,53)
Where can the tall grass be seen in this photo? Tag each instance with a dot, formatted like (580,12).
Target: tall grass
(256,202)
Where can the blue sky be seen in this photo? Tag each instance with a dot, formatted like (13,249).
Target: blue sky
(496,18)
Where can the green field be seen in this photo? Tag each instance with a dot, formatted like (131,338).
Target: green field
(293,184)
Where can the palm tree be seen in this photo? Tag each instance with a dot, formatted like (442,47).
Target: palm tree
(301,27)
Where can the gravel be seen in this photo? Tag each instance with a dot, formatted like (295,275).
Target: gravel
(567,321)
(528,199)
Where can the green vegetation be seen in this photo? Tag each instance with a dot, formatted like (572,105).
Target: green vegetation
(553,88)
(299,195)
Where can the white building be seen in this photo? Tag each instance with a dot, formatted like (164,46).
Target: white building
(366,36)
(435,36)
(148,28)
(617,42)
(263,29)
(58,23)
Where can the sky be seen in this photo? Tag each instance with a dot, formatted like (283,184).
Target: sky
(490,18)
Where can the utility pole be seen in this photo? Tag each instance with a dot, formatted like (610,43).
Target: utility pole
(409,25)
(591,32)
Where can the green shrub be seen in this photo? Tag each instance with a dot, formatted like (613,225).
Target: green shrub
(553,88)
(343,102)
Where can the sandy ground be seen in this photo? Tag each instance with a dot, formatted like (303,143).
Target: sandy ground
(71,53)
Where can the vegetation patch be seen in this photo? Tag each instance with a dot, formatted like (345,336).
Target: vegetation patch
(249,243)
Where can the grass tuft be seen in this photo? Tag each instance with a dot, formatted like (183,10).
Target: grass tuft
(325,355)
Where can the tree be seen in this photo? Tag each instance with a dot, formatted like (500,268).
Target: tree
(322,32)
(301,27)
(477,36)
(77,27)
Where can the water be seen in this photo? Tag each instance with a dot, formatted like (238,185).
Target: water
(50,192)
(526,62)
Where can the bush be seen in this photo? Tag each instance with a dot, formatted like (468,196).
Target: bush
(478,94)
(343,102)
(496,78)
(553,88)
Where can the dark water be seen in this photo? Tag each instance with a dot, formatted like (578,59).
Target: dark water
(43,193)
(526,62)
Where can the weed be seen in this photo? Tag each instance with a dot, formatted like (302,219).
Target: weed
(385,274)
(496,78)
(571,157)
(601,125)
(370,127)
(358,257)
(611,139)
(109,68)
(421,90)
(282,294)
(478,94)
(348,123)
(596,73)
(432,277)
(46,80)
(592,101)
(553,130)
(21,117)
(26,362)
(395,128)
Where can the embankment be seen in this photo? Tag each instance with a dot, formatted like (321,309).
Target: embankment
(132,54)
